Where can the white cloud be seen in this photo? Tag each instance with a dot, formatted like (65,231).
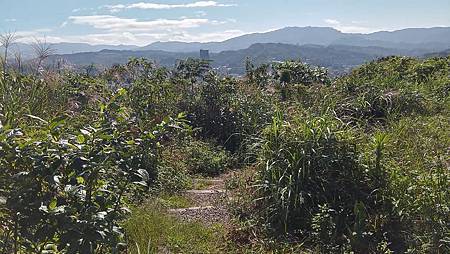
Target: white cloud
(31,35)
(43,30)
(354,28)
(114,23)
(83,10)
(116,30)
(218,22)
(208,37)
(10,20)
(200,13)
(159,6)
(332,22)
(63,24)
(115,8)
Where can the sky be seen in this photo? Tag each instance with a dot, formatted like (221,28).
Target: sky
(141,22)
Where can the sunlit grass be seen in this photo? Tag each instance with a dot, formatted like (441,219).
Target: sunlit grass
(174,201)
(150,229)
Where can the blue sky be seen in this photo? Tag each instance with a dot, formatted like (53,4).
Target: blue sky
(141,22)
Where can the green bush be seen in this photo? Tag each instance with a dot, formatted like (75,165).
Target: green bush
(171,179)
(297,72)
(68,190)
(67,183)
(206,159)
(222,108)
(189,156)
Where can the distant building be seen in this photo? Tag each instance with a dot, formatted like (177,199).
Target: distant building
(204,54)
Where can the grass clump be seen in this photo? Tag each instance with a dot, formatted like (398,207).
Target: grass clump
(311,183)
(172,179)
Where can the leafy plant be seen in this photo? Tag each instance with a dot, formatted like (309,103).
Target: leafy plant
(68,188)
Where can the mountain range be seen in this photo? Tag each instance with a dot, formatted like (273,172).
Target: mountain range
(321,46)
(337,58)
(27,52)
(426,39)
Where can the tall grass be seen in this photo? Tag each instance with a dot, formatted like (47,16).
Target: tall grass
(419,181)
(306,164)
(27,95)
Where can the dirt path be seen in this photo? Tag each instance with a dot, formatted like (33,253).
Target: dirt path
(208,202)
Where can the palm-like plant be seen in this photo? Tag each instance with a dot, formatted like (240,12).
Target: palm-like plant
(6,40)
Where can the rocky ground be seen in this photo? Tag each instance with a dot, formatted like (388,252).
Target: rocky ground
(208,202)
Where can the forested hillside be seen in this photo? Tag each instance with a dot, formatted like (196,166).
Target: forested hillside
(337,58)
(94,162)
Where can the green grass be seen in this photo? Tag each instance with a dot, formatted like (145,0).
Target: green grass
(174,201)
(201,184)
(151,230)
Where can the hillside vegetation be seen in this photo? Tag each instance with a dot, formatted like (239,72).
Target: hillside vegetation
(337,58)
(90,162)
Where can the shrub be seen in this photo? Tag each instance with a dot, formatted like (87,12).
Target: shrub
(210,110)
(324,229)
(67,189)
(189,156)
(172,177)
(224,109)
(297,72)
(206,159)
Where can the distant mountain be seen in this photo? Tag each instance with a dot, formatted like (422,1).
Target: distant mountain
(321,46)
(288,35)
(421,40)
(338,58)
(411,41)
(108,57)
(66,48)
(444,53)
(414,35)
